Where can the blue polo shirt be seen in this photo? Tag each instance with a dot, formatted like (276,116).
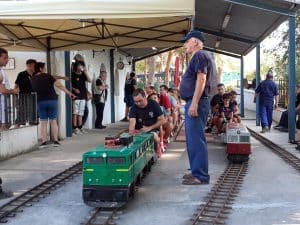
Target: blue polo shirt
(201,62)
(267,89)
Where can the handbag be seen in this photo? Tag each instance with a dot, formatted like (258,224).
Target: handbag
(97,98)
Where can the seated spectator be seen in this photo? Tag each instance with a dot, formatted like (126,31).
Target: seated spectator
(146,116)
(233,103)
(166,128)
(175,107)
(225,113)
(284,121)
(150,89)
(215,104)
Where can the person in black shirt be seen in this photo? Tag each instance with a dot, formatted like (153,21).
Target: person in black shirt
(215,104)
(79,77)
(130,86)
(146,116)
(27,109)
(283,123)
(43,84)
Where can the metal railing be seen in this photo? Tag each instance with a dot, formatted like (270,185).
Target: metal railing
(283,89)
(18,110)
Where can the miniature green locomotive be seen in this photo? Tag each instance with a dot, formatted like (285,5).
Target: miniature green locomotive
(111,171)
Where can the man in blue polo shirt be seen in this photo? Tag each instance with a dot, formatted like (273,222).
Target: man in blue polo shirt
(194,89)
(266,91)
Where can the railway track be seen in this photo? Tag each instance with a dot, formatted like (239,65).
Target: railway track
(102,216)
(38,192)
(221,196)
(281,152)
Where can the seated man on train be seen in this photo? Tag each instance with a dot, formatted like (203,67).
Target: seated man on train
(146,116)
(165,101)
(215,103)
(166,128)
(233,103)
(225,114)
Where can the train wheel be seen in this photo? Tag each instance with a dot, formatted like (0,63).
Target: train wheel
(237,158)
(131,190)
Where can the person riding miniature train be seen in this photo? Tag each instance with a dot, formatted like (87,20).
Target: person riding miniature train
(226,114)
(146,116)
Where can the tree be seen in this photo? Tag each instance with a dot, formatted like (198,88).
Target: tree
(279,52)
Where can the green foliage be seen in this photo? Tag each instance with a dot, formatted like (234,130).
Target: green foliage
(279,53)
(140,67)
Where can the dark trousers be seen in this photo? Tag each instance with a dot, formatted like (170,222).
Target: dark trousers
(99,114)
(284,119)
(196,141)
(266,113)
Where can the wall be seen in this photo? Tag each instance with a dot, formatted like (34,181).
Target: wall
(20,63)
(93,62)
(27,139)
(250,105)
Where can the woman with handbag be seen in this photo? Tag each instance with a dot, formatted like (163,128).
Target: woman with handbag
(99,98)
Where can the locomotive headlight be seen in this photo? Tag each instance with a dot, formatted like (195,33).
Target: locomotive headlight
(104,155)
(120,180)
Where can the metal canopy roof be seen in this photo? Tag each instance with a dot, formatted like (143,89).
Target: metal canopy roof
(233,27)
(93,24)
(229,26)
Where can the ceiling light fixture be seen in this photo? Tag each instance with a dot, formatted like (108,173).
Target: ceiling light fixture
(225,21)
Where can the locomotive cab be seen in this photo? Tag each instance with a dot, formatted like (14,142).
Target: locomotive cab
(238,143)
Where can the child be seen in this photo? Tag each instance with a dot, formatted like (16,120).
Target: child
(234,105)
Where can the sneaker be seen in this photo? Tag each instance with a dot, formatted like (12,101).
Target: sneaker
(264,130)
(83,131)
(76,131)
(56,144)
(44,145)
(124,119)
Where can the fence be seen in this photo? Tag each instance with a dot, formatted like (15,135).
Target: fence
(283,89)
(18,110)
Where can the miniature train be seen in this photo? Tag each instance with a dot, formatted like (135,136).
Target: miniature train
(111,171)
(237,139)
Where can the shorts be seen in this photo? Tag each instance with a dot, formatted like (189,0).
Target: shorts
(78,107)
(47,109)
(128,99)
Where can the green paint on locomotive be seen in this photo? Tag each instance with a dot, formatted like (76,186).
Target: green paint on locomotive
(118,166)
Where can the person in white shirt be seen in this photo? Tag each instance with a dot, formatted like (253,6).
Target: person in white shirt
(4,89)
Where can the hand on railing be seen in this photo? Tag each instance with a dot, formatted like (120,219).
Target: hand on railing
(15,91)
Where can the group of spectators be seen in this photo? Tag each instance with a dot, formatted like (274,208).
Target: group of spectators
(34,79)
(224,108)
(151,111)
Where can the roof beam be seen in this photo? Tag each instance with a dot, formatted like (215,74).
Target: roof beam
(221,34)
(262,6)
(222,52)
(155,53)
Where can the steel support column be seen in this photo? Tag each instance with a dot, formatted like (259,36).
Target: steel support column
(69,127)
(257,77)
(242,87)
(48,55)
(112,84)
(292,72)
